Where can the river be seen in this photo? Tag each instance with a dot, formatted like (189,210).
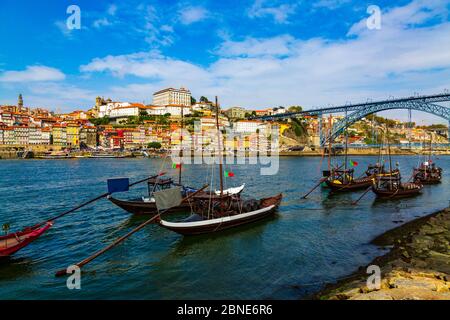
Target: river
(308,243)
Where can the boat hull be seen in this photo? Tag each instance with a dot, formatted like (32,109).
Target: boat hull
(394,194)
(146,208)
(13,242)
(140,207)
(353,186)
(219,224)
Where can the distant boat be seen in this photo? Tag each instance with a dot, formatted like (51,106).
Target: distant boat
(106,155)
(390,185)
(428,172)
(55,155)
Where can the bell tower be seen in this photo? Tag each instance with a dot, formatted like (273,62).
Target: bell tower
(20,103)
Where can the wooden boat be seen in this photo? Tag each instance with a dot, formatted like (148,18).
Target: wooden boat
(107,156)
(374,169)
(428,173)
(342,181)
(389,187)
(147,205)
(214,211)
(13,242)
(55,155)
(199,223)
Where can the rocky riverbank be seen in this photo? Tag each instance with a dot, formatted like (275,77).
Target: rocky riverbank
(417,266)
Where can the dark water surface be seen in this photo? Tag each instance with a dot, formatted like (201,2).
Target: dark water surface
(308,242)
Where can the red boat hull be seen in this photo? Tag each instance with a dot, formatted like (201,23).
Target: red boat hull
(13,242)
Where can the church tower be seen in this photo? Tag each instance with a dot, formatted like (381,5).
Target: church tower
(20,103)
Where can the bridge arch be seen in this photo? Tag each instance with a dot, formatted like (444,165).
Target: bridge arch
(437,110)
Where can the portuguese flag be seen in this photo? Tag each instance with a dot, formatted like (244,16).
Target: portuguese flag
(176,165)
(229,174)
(353,163)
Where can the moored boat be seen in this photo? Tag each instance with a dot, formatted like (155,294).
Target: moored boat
(213,212)
(388,187)
(147,205)
(342,180)
(199,223)
(13,242)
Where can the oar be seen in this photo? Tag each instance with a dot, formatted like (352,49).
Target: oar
(314,188)
(93,200)
(121,239)
(365,192)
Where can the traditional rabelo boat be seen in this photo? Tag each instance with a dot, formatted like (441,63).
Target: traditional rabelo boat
(341,179)
(13,242)
(392,187)
(428,172)
(214,212)
(147,205)
(388,186)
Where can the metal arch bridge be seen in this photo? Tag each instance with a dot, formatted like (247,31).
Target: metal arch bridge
(419,103)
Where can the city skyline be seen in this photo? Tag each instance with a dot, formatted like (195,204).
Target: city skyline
(254,54)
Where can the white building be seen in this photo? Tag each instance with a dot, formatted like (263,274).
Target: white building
(209,123)
(126,110)
(171,96)
(35,135)
(8,135)
(279,110)
(105,109)
(21,135)
(249,126)
(45,135)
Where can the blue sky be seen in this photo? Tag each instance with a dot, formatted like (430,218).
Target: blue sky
(252,53)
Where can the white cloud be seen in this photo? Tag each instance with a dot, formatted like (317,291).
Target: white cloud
(251,47)
(112,9)
(103,22)
(329,4)
(189,15)
(62,27)
(32,74)
(263,8)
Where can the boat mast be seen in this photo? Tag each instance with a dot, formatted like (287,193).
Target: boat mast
(346,147)
(220,148)
(329,143)
(181,144)
(431,149)
(389,154)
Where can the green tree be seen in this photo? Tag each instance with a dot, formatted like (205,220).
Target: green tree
(295,109)
(100,121)
(193,101)
(154,145)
